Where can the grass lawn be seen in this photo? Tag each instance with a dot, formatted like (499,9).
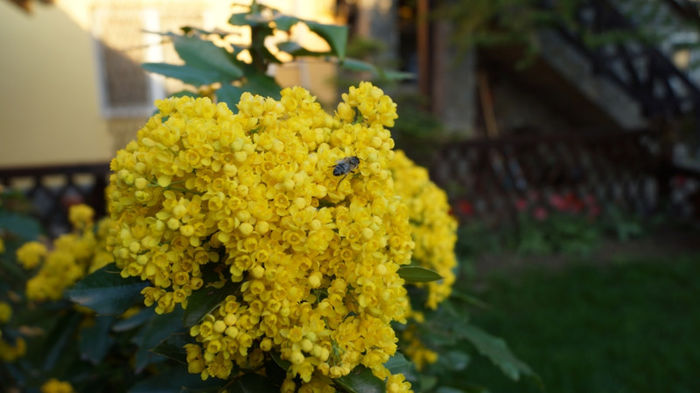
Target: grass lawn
(628,327)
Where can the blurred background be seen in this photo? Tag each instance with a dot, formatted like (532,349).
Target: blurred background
(566,133)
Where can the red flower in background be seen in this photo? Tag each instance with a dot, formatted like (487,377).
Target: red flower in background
(521,204)
(540,213)
(465,208)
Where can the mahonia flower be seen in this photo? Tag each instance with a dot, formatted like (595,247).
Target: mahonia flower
(314,256)
(55,386)
(11,352)
(2,246)
(30,254)
(73,255)
(5,312)
(433,229)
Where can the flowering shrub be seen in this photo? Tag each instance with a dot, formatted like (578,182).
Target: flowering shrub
(315,256)
(433,229)
(269,250)
(73,255)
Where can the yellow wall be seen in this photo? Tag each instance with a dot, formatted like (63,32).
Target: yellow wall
(49,92)
(49,107)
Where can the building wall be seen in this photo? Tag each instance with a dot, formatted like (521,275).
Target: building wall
(48,100)
(52,71)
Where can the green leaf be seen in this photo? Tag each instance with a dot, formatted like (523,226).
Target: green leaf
(285,22)
(59,338)
(188,74)
(173,348)
(231,95)
(95,340)
(204,301)
(159,328)
(398,364)
(135,321)
(358,65)
(263,85)
(21,225)
(239,19)
(418,274)
(361,380)
(106,292)
(205,55)
(284,364)
(335,35)
(497,351)
(296,50)
(173,382)
(397,75)
(252,383)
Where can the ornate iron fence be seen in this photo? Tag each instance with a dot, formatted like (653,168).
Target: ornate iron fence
(52,189)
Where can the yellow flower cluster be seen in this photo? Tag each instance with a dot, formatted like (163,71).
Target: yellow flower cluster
(2,246)
(10,352)
(433,229)
(55,386)
(71,257)
(314,254)
(5,312)
(30,254)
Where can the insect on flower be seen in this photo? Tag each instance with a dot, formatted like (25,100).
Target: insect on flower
(344,166)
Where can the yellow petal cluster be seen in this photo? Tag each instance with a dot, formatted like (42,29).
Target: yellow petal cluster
(10,352)
(314,256)
(433,229)
(55,386)
(30,254)
(5,312)
(2,246)
(70,258)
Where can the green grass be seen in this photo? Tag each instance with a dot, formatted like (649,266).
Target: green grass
(629,328)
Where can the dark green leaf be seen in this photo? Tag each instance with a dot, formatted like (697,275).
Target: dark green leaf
(135,321)
(263,85)
(231,95)
(497,351)
(106,292)
(173,348)
(335,35)
(398,364)
(173,382)
(20,225)
(284,364)
(358,65)
(285,22)
(361,380)
(205,55)
(59,338)
(153,333)
(252,383)
(418,274)
(188,74)
(95,340)
(397,75)
(297,50)
(205,300)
